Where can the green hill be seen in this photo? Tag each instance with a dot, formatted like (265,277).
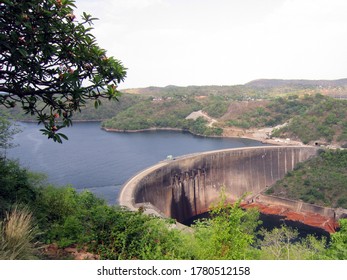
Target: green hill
(321,180)
(301,104)
(167,112)
(309,119)
(324,121)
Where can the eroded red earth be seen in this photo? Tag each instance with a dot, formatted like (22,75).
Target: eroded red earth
(311,219)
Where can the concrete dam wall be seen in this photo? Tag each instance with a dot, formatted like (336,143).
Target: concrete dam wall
(187,186)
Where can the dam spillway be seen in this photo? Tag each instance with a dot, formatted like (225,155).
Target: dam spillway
(184,187)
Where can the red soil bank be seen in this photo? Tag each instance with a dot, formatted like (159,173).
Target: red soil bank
(311,219)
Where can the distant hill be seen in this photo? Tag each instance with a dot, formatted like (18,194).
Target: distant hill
(189,90)
(257,89)
(260,83)
(270,83)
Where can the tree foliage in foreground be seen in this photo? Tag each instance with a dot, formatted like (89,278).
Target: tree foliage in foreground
(229,234)
(284,244)
(51,64)
(338,248)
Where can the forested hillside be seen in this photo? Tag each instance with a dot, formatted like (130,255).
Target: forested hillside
(321,180)
(294,105)
(325,121)
(308,119)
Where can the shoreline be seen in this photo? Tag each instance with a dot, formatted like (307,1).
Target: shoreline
(162,129)
(146,129)
(261,135)
(257,135)
(264,140)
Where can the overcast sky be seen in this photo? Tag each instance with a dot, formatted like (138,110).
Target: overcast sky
(222,42)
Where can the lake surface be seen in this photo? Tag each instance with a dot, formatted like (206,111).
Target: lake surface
(103,161)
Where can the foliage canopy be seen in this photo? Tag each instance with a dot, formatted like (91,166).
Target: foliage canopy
(50,64)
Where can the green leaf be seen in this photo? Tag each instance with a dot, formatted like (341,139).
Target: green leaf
(23,51)
(97,103)
(63,136)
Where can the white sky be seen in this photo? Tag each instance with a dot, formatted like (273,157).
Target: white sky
(222,42)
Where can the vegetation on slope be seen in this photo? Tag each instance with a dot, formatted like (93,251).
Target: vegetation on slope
(325,117)
(310,118)
(320,180)
(17,234)
(276,112)
(168,107)
(247,106)
(325,121)
(68,218)
(170,112)
(150,113)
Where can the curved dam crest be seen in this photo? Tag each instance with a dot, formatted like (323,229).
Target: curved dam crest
(187,186)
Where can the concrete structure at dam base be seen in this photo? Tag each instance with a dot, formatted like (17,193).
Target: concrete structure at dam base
(184,187)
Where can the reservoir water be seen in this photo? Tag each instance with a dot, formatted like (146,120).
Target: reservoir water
(102,161)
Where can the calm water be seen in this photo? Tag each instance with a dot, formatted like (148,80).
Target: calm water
(102,161)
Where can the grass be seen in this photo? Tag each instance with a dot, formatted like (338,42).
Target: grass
(17,235)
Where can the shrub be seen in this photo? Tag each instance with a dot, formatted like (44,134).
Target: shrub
(229,234)
(16,186)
